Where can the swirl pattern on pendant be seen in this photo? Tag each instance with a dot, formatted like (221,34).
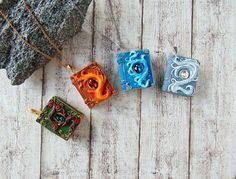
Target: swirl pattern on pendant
(92,84)
(138,68)
(184,72)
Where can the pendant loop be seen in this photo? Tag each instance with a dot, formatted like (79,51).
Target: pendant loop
(70,67)
(35,112)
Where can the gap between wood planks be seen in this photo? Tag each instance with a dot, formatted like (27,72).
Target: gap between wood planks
(140,91)
(190,104)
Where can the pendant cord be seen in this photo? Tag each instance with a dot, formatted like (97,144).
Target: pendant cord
(25,40)
(35,48)
(43,30)
(55,47)
(59,52)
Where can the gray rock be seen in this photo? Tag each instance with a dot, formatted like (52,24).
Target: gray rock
(60,19)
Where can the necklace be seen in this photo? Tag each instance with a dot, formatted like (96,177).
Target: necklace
(91,82)
(33,47)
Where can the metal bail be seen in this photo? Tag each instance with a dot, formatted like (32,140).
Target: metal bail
(35,112)
(70,67)
(176,50)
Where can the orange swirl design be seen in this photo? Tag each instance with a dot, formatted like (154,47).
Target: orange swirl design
(92,96)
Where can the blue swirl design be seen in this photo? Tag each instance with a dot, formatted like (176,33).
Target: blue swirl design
(139,78)
(183,85)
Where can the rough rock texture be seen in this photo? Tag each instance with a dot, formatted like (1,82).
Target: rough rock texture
(61,19)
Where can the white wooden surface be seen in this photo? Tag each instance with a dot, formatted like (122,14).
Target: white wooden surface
(138,134)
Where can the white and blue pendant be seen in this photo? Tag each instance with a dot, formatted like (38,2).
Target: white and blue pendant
(181,75)
(135,70)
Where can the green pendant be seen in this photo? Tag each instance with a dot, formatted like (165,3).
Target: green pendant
(60,118)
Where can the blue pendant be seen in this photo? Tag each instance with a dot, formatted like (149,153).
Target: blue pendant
(181,75)
(135,70)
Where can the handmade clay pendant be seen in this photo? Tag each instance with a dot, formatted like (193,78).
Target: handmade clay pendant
(60,118)
(92,84)
(181,75)
(135,70)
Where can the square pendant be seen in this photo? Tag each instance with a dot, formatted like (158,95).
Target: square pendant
(181,75)
(92,84)
(135,70)
(60,118)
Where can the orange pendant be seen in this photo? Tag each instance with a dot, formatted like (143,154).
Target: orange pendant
(92,84)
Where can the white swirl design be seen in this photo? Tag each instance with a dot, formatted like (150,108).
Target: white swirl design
(192,66)
(141,78)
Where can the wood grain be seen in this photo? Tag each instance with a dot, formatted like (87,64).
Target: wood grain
(164,145)
(135,134)
(68,159)
(115,131)
(214,108)
(20,135)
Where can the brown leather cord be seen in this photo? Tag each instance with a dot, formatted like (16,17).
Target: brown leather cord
(33,47)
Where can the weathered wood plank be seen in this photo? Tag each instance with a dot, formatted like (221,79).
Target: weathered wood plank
(21,136)
(214,107)
(115,131)
(61,159)
(164,145)
(165,118)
